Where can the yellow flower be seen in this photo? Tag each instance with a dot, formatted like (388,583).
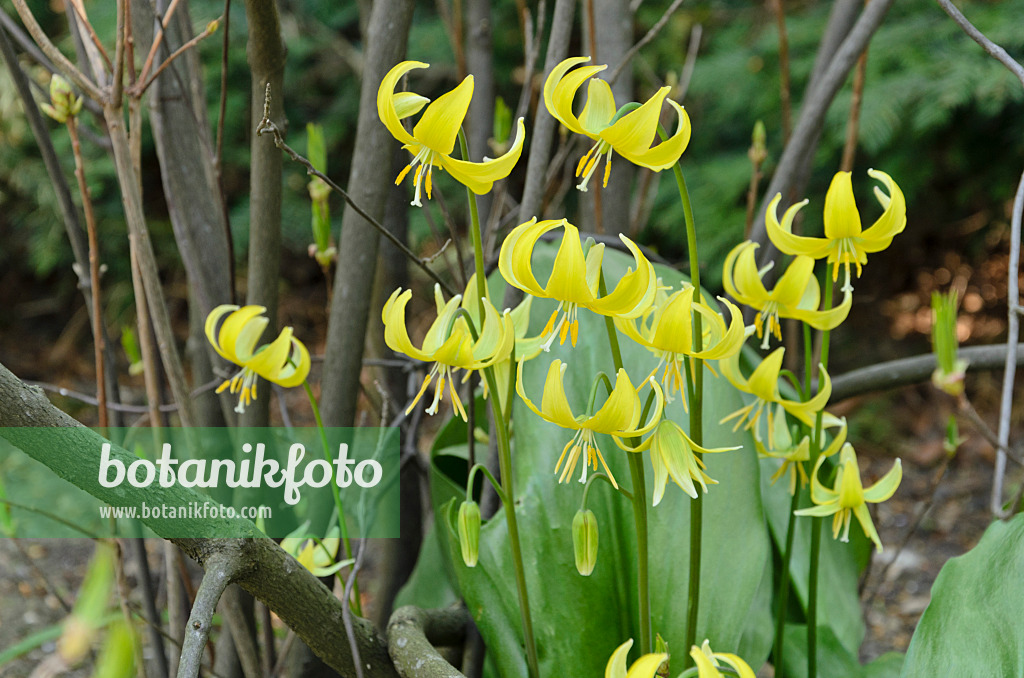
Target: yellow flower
(645,667)
(630,134)
(619,417)
(796,294)
(316,555)
(781,446)
(666,329)
(763,384)
(672,456)
(847,497)
(433,138)
(574,278)
(284,362)
(450,342)
(707,662)
(844,242)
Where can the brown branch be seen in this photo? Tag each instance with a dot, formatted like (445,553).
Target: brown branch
(138,89)
(88,87)
(157,39)
(268,127)
(98,334)
(413,633)
(650,35)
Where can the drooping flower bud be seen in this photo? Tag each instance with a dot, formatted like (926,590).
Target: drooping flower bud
(584,541)
(469,532)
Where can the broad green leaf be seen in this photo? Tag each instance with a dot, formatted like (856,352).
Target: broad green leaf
(972,626)
(578,621)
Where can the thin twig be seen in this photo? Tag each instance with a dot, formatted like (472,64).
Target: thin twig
(158,38)
(853,122)
(267,126)
(650,35)
(94,273)
(219,573)
(80,11)
(72,72)
(784,87)
(138,89)
(1010,367)
(346,612)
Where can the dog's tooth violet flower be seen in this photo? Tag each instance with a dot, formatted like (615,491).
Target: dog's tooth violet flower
(844,242)
(667,331)
(763,384)
(285,361)
(847,497)
(619,417)
(672,456)
(449,342)
(795,295)
(707,663)
(629,134)
(574,278)
(645,667)
(433,138)
(793,453)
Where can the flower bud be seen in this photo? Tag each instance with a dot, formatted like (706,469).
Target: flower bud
(469,532)
(584,541)
(63,103)
(758,150)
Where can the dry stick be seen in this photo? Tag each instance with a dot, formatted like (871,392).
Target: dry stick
(1010,368)
(139,237)
(784,87)
(853,123)
(138,89)
(218,158)
(413,635)
(157,39)
(175,609)
(219,573)
(346,613)
(69,213)
(94,273)
(80,12)
(913,370)
(62,63)
(1013,284)
(650,35)
(268,127)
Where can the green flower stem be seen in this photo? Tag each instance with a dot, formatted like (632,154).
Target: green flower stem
(357,606)
(812,584)
(636,470)
(782,596)
(504,448)
(783,592)
(601,476)
(696,412)
(490,476)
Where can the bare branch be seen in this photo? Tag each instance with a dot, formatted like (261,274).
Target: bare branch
(650,35)
(413,633)
(220,571)
(88,87)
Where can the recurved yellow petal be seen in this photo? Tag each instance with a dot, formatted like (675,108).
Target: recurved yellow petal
(664,155)
(386,109)
(633,133)
(600,107)
(439,125)
(480,176)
